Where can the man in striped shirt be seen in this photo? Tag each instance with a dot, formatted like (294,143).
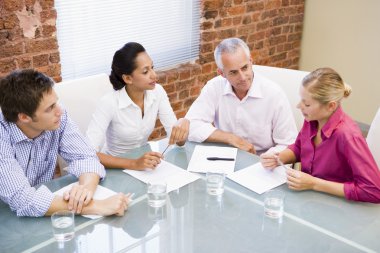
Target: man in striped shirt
(33,131)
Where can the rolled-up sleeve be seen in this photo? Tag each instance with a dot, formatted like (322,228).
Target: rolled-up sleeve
(99,123)
(284,128)
(366,183)
(202,114)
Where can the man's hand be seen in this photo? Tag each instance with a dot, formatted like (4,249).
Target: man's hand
(180,132)
(240,143)
(78,197)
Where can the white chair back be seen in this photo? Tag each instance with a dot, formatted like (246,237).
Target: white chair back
(373,138)
(290,80)
(80,97)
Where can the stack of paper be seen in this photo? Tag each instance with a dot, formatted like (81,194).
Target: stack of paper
(259,179)
(174,176)
(199,162)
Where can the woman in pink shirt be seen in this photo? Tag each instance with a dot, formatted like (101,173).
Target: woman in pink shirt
(334,155)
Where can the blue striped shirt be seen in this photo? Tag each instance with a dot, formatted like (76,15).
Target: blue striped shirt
(26,163)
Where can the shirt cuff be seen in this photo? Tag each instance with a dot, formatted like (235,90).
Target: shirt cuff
(349,192)
(78,167)
(40,203)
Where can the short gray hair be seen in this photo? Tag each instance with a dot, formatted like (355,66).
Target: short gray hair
(229,46)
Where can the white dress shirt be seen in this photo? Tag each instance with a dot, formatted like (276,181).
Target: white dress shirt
(263,117)
(118,121)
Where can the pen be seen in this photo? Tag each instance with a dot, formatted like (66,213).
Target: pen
(281,163)
(130,197)
(165,149)
(220,159)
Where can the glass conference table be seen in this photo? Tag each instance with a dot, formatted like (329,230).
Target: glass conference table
(193,221)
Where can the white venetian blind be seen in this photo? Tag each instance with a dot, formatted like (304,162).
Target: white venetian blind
(90,31)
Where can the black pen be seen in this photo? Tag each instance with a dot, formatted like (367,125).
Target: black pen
(220,159)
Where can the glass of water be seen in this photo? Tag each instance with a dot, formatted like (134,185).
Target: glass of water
(274,204)
(156,194)
(63,225)
(215,183)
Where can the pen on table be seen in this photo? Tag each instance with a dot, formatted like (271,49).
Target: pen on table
(214,158)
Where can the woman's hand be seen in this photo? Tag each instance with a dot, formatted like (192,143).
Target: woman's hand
(148,160)
(180,132)
(114,205)
(269,160)
(299,181)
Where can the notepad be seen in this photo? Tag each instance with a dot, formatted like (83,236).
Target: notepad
(174,176)
(199,162)
(259,179)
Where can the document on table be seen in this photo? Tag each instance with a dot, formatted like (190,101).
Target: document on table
(259,179)
(199,162)
(174,176)
(100,193)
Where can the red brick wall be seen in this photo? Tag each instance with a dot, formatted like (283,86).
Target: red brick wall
(28,37)
(271,28)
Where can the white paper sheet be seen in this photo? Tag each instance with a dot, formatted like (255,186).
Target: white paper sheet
(100,193)
(259,179)
(174,176)
(199,162)
(155,145)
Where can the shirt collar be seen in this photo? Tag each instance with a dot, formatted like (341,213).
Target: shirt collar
(19,136)
(255,91)
(333,122)
(125,100)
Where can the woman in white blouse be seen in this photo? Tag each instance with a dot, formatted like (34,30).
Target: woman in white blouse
(125,118)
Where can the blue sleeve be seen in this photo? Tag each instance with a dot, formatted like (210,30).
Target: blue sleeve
(76,150)
(15,189)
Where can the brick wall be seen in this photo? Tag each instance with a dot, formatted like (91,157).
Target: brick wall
(28,37)
(271,28)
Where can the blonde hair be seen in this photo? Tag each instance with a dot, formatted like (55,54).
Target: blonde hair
(326,85)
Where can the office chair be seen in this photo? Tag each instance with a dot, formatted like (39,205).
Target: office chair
(373,138)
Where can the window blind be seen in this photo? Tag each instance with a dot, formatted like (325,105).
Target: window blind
(90,31)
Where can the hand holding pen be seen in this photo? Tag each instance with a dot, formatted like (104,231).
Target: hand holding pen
(148,160)
(270,160)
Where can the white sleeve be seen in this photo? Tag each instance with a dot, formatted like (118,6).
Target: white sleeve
(284,127)
(100,121)
(202,114)
(165,111)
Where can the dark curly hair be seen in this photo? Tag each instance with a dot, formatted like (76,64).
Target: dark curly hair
(22,91)
(124,63)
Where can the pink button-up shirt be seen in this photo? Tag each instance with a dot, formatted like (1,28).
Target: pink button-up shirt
(343,156)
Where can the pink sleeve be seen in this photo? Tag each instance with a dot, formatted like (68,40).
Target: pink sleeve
(366,184)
